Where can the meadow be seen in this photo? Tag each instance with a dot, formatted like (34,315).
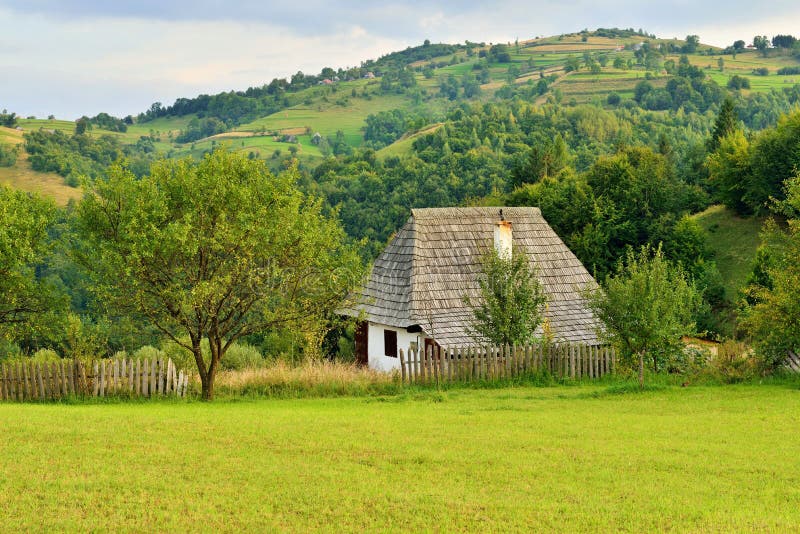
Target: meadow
(733,242)
(568,458)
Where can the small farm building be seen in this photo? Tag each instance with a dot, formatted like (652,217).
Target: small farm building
(414,296)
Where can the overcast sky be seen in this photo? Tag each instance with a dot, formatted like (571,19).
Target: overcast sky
(71,58)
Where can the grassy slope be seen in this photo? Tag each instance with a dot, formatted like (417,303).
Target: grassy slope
(734,241)
(520,459)
(22,176)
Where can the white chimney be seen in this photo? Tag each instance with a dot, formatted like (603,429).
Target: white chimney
(502,237)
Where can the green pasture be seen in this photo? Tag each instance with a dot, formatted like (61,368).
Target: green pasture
(327,118)
(733,241)
(567,459)
(403,146)
(262,145)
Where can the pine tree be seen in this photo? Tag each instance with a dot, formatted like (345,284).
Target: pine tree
(725,124)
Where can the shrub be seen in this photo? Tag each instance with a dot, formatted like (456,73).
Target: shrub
(738,82)
(613,98)
(761,71)
(242,356)
(8,156)
(734,362)
(148,353)
(788,71)
(45,356)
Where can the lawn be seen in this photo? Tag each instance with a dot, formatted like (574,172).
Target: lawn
(564,458)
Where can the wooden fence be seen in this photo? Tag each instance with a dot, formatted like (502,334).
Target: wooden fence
(792,363)
(55,380)
(493,363)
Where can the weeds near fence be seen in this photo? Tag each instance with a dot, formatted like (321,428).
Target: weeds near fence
(310,379)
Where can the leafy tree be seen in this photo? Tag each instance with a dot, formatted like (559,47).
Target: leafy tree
(761,42)
(217,250)
(9,120)
(784,41)
(81,125)
(692,42)
(730,171)
(646,306)
(770,316)
(511,300)
(24,298)
(739,45)
(737,82)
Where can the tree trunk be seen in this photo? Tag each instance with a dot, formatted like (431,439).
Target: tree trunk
(208,386)
(641,370)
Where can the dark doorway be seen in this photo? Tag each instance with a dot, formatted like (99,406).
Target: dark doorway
(362,356)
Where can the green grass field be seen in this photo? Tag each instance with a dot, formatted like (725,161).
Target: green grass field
(568,459)
(733,241)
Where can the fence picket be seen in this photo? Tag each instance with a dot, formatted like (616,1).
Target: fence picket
(43,390)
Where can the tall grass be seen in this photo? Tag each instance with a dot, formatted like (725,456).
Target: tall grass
(309,379)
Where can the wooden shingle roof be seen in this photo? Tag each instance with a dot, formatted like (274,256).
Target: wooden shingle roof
(435,259)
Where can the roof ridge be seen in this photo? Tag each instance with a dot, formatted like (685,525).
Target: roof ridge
(454,212)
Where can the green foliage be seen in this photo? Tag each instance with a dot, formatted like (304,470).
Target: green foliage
(219,249)
(25,300)
(726,123)
(646,306)
(761,42)
(201,128)
(747,175)
(788,71)
(9,120)
(737,82)
(770,316)
(8,155)
(78,156)
(512,301)
(729,167)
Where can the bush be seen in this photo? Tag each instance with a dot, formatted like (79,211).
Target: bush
(8,156)
(613,98)
(734,362)
(788,71)
(239,356)
(738,82)
(45,356)
(148,353)
(242,356)
(761,71)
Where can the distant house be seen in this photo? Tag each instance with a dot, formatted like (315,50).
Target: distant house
(414,296)
(369,76)
(326,81)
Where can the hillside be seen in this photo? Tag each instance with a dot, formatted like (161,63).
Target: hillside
(596,89)
(570,69)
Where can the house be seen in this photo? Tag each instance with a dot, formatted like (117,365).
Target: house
(369,76)
(414,296)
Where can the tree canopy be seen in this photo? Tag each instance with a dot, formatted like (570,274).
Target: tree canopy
(217,249)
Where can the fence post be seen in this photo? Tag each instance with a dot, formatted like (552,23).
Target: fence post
(613,360)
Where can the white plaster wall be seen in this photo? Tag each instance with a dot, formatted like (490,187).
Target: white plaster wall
(375,348)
